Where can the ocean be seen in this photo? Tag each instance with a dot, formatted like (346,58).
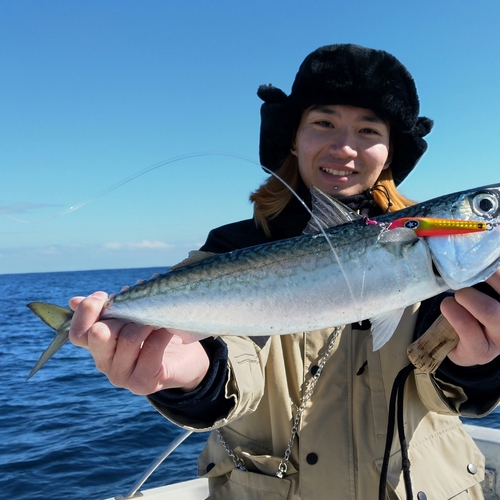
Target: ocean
(68,433)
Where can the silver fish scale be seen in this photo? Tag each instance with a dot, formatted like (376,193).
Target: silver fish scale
(300,284)
(282,257)
(292,285)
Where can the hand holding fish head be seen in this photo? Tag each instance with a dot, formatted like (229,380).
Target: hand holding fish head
(475,316)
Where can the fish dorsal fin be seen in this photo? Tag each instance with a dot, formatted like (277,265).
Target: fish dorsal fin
(193,257)
(327,212)
(384,326)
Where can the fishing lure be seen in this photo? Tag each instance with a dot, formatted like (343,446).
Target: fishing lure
(426,226)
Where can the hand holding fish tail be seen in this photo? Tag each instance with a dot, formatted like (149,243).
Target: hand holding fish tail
(87,312)
(475,317)
(139,358)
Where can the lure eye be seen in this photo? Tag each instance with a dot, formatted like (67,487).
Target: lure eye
(485,204)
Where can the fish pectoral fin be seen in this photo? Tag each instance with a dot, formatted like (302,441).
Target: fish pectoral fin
(396,240)
(384,326)
(327,212)
(59,319)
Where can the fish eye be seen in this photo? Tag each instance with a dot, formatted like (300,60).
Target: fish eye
(485,204)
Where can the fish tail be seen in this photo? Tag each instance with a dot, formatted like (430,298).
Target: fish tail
(59,319)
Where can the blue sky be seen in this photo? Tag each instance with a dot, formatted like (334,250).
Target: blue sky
(94,92)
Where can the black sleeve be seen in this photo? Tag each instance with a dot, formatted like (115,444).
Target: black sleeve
(480,383)
(207,402)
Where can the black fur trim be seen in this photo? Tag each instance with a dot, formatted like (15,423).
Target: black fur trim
(350,75)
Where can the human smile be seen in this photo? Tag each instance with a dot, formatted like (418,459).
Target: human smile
(332,171)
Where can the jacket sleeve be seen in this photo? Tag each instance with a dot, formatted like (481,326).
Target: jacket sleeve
(452,389)
(207,402)
(232,388)
(234,383)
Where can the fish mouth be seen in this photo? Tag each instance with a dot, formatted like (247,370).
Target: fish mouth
(435,271)
(437,274)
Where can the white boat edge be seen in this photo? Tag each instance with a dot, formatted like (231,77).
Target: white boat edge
(194,489)
(487,439)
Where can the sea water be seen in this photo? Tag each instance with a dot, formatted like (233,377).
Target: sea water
(67,432)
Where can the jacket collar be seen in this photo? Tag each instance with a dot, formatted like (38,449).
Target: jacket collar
(294,218)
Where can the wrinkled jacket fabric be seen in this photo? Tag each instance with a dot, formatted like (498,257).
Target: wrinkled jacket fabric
(339,447)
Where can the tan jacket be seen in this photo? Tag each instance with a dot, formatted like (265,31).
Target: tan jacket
(338,451)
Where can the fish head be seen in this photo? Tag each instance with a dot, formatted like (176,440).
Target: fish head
(465,259)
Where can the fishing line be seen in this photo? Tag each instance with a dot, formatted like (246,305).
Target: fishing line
(319,224)
(130,178)
(189,156)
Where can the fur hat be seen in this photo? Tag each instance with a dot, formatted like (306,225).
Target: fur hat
(351,75)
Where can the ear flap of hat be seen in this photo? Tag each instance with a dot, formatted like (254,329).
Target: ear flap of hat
(276,130)
(410,147)
(346,74)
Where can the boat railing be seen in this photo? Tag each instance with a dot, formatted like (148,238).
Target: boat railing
(133,492)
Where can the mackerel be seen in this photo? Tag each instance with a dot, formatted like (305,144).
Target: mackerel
(343,269)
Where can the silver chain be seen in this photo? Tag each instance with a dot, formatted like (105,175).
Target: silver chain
(238,462)
(283,466)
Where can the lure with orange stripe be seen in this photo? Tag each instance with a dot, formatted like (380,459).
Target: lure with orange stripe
(424,226)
